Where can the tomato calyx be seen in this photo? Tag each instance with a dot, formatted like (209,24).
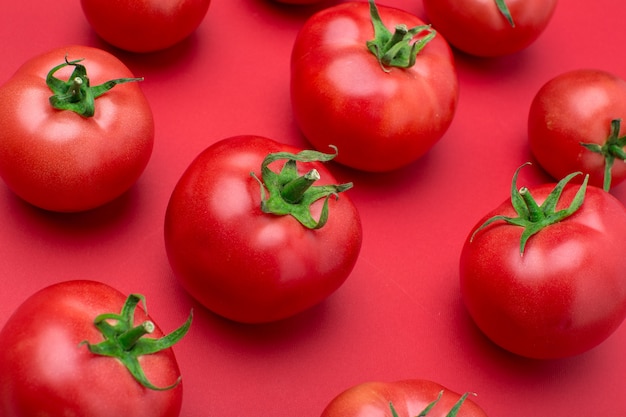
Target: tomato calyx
(127,343)
(452,413)
(396,49)
(504,9)
(292,193)
(534,217)
(612,149)
(76,94)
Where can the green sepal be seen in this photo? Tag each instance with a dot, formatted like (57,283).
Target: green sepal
(504,9)
(125,342)
(396,49)
(612,149)
(454,411)
(76,94)
(533,217)
(292,193)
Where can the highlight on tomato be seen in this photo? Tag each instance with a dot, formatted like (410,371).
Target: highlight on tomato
(405,398)
(257,231)
(82,348)
(542,275)
(490,28)
(144,25)
(76,132)
(375,81)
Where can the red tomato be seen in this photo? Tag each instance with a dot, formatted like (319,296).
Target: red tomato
(581,107)
(408,398)
(61,160)
(46,369)
(490,28)
(238,258)
(548,282)
(381,115)
(144,25)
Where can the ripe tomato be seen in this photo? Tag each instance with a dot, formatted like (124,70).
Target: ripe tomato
(544,276)
(381,109)
(407,398)
(575,124)
(61,160)
(234,254)
(490,27)
(144,25)
(49,365)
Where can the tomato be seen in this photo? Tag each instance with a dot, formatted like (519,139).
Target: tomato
(543,274)
(144,25)
(85,155)
(407,398)
(490,28)
(253,259)
(575,124)
(65,352)
(383,106)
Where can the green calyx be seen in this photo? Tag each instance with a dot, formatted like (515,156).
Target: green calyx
(292,193)
(76,94)
(533,217)
(398,49)
(612,149)
(504,9)
(452,413)
(126,342)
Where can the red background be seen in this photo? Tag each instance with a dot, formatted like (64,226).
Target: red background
(399,315)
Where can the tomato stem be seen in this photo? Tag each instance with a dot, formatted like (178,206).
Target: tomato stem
(294,190)
(77,94)
(129,338)
(504,10)
(397,49)
(611,150)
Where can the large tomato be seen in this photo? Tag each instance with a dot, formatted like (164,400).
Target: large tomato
(144,25)
(69,351)
(490,27)
(383,99)
(576,123)
(251,258)
(543,274)
(407,398)
(63,150)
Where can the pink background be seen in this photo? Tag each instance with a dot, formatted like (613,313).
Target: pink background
(399,315)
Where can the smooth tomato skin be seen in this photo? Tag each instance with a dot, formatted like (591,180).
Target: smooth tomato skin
(477,27)
(241,263)
(341,96)
(44,371)
(573,107)
(409,398)
(60,161)
(566,294)
(144,25)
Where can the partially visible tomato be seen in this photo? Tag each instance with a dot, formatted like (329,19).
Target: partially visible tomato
(407,398)
(542,275)
(144,25)
(384,99)
(490,27)
(577,122)
(79,153)
(69,351)
(260,249)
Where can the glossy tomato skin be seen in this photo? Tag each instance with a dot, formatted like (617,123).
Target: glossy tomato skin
(60,161)
(144,25)
(477,27)
(244,264)
(44,371)
(341,96)
(577,107)
(566,294)
(409,398)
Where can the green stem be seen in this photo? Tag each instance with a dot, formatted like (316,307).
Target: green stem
(294,190)
(129,338)
(613,148)
(535,213)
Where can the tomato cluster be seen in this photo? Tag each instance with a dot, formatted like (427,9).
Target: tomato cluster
(258,230)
